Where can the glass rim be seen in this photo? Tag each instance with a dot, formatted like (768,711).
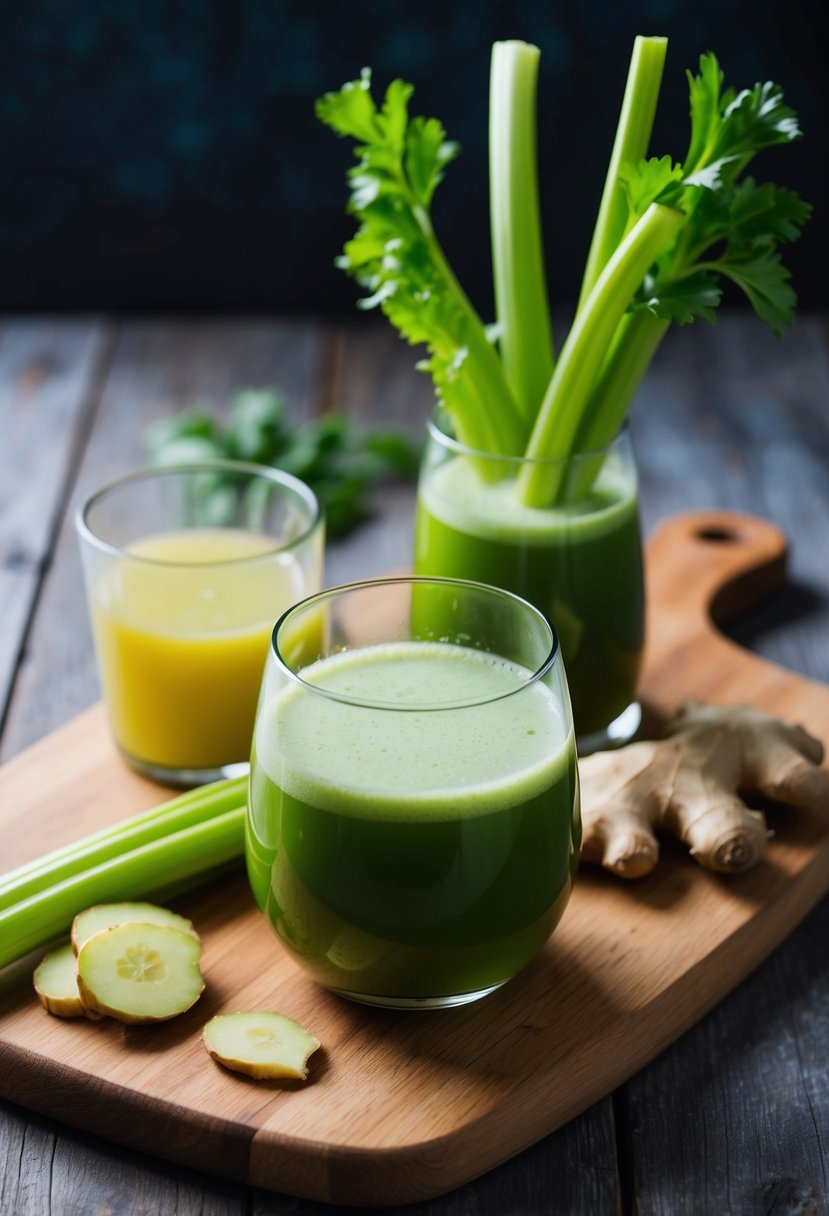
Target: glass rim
(148,472)
(436,432)
(342,589)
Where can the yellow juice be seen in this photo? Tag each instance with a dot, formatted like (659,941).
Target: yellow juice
(181,635)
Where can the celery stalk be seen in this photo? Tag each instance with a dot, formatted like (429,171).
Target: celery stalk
(633,134)
(194,807)
(523,319)
(180,858)
(494,425)
(639,258)
(554,434)
(636,342)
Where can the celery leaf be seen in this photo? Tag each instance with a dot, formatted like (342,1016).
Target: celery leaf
(696,295)
(649,180)
(733,225)
(766,210)
(395,255)
(759,272)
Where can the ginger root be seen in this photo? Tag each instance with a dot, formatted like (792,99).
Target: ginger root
(689,783)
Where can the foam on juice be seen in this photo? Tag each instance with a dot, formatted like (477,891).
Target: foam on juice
(492,738)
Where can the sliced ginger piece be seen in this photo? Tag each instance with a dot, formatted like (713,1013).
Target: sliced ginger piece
(56,985)
(261,1045)
(104,916)
(691,784)
(140,972)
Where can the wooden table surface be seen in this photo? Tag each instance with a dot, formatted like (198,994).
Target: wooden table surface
(734,1117)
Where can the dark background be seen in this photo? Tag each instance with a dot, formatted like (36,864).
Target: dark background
(165,155)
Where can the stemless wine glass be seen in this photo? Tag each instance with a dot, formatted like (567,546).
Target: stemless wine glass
(413,822)
(579,560)
(186,569)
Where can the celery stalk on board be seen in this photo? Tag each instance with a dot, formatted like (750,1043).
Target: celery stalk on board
(667,235)
(194,807)
(170,848)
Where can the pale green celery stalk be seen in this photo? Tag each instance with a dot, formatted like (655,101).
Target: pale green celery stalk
(637,339)
(467,422)
(495,427)
(181,858)
(631,145)
(524,330)
(580,361)
(194,807)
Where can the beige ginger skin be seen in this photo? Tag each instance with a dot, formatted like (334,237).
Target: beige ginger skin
(691,784)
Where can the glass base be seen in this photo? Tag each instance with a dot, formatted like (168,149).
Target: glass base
(426,1002)
(620,731)
(185,778)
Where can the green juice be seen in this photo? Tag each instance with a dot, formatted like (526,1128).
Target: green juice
(581,564)
(406,853)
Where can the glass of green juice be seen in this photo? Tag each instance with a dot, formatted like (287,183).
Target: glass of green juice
(413,821)
(186,568)
(579,560)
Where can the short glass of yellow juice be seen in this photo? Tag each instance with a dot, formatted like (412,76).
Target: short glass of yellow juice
(187,567)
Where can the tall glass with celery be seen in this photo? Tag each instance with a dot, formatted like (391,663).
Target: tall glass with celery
(580,562)
(529,434)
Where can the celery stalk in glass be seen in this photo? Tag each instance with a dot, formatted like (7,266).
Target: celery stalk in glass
(631,144)
(636,342)
(523,320)
(578,366)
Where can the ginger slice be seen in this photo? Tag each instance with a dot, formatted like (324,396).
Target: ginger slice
(56,985)
(140,972)
(104,916)
(261,1045)
(690,783)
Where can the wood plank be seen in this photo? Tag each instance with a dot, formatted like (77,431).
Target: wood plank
(48,371)
(51,1168)
(735,1116)
(404,1106)
(569,1173)
(731,417)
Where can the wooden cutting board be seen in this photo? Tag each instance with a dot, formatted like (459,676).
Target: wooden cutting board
(402,1107)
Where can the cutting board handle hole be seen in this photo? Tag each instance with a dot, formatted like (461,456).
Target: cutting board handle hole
(718,535)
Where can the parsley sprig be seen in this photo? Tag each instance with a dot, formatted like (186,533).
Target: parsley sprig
(341,463)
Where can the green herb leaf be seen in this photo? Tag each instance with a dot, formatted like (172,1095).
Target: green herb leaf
(741,220)
(738,126)
(351,111)
(428,152)
(759,272)
(395,255)
(340,463)
(682,300)
(766,210)
(257,428)
(191,424)
(657,178)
